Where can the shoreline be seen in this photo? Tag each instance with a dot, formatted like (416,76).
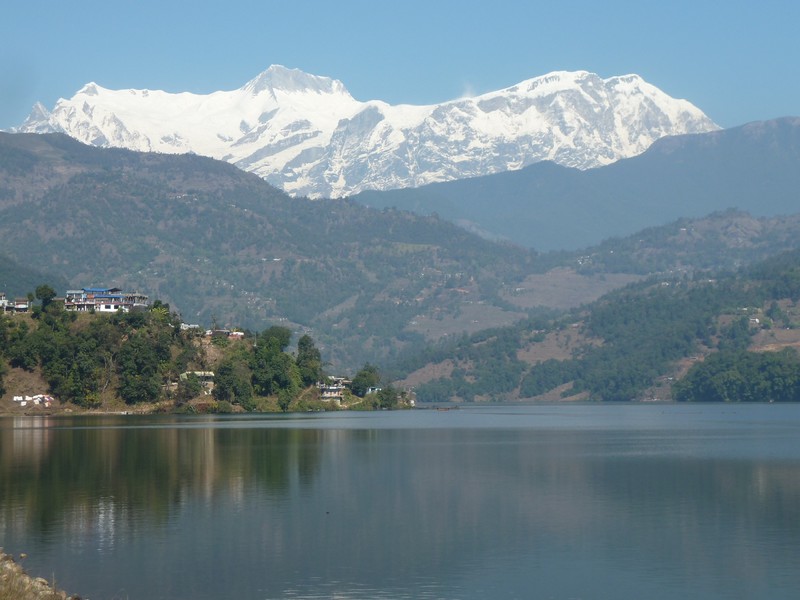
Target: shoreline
(16,584)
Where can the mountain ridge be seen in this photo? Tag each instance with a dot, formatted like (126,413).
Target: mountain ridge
(223,246)
(754,167)
(308,136)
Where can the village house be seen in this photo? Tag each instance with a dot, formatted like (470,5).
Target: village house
(206,379)
(18,305)
(332,389)
(104,300)
(21,305)
(218,333)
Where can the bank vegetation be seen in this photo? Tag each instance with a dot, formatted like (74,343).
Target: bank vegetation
(145,361)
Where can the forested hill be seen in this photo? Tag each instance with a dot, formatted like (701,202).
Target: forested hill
(52,359)
(723,240)
(17,280)
(635,343)
(223,246)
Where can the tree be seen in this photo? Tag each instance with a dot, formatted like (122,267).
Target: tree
(366,378)
(281,335)
(232,383)
(160,312)
(137,365)
(309,361)
(188,388)
(4,333)
(388,397)
(284,400)
(21,350)
(273,369)
(742,376)
(46,294)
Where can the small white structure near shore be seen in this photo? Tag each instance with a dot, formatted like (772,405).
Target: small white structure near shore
(37,400)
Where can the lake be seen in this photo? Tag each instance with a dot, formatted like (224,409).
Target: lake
(554,502)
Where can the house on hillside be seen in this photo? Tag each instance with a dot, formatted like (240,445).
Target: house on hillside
(22,305)
(206,378)
(17,305)
(332,389)
(218,333)
(104,300)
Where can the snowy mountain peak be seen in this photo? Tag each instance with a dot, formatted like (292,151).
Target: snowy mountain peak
(38,121)
(307,135)
(90,89)
(38,112)
(556,80)
(278,77)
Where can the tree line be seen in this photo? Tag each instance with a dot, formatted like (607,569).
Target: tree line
(146,357)
(742,376)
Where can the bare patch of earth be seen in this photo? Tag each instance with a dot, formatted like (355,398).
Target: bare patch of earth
(558,345)
(772,340)
(19,382)
(469,318)
(564,288)
(428,373)
(560,394)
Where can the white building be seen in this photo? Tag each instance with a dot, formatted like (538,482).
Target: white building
(104,300)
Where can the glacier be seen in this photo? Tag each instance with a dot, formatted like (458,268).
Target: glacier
(307,135)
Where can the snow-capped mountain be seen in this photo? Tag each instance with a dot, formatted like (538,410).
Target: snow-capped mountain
(307,135)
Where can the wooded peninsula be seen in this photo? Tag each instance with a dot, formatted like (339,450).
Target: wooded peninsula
(147,360)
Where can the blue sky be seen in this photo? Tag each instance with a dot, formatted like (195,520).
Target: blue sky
(737,61)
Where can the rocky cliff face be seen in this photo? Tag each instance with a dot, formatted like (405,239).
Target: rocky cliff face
(307,135)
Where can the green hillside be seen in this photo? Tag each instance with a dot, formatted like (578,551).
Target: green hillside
(632,343)
(16,279)
(144,361)
(225,247)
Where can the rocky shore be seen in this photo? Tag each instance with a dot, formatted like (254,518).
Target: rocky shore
(16,584)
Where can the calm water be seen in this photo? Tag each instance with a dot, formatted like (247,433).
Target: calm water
(562,502)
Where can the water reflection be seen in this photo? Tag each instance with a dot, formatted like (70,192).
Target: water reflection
(96,474)
(252,511)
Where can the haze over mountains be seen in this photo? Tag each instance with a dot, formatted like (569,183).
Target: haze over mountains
(755,167)
(308,136)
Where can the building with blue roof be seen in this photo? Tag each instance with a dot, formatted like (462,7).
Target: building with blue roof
(95,299)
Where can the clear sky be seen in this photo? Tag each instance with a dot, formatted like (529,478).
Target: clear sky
(737,61)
